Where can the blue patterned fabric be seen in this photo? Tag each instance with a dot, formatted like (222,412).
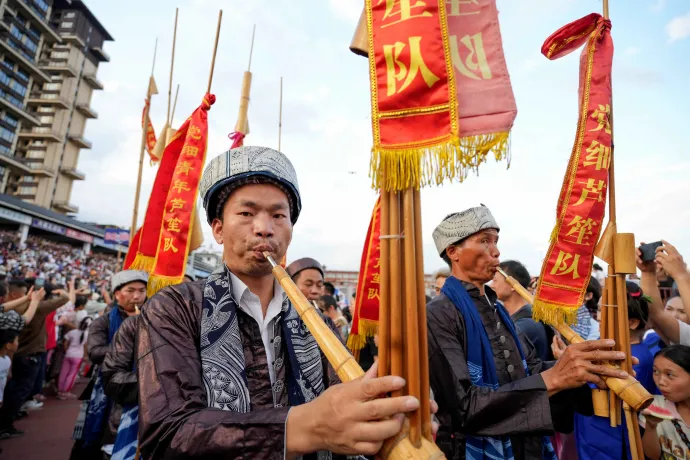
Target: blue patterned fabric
(480,363)
(99,405)
(222,354)
(125,447)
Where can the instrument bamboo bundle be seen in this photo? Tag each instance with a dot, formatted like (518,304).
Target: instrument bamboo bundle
(629,389)
(398,448)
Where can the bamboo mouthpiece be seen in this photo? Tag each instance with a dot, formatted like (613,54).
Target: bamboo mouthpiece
(270,259)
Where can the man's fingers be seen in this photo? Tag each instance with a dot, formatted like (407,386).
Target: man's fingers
(372,372)
(606,371)
(375,387)
(668,246)
(434,407)
(377,431)
(596,380)
(378,409)
(603,355)
(591,345)
(367,448)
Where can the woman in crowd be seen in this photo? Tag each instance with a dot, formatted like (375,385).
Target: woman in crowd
(74,344)
(669,438)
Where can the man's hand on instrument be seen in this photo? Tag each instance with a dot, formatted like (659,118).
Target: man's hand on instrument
(351,418)
(581,364)
(558,346)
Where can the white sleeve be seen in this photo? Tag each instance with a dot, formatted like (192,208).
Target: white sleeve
(684,333)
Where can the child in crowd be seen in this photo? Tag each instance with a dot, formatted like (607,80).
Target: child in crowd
(669,439)
(74,344)
(10,325)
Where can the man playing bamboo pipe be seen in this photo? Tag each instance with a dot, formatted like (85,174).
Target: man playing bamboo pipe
(226,368)
(496,399)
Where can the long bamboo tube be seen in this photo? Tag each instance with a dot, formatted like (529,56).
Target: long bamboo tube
(396,320)
(398,448)
(611,334)
(628,389)
(242,125)
(215,51)
(412,315)
(424,386)
(385,289)
(172,67)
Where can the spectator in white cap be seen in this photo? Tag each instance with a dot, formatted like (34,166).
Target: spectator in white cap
(97,428)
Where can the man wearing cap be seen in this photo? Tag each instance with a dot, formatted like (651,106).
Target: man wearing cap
(496,398)
(307,274)
(226,367)
(91,433)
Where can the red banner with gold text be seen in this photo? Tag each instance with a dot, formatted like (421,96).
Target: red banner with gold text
(366,312)
(581,205)
(150,133)
(414,105)
(190,144)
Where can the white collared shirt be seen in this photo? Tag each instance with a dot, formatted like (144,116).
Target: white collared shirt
(250,304)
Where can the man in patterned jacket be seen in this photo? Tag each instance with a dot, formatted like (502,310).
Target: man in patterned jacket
(226,368)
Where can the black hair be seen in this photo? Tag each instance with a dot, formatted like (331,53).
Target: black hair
(638,305)
(7,336)
(329,288)
(518,271)
(3,290)
(595,289)
(597,267)
(678,354)
(83,326)
(14,284)
(80,301)
(329,301)
(445,257)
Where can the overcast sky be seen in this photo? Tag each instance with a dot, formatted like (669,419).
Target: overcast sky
(326,116)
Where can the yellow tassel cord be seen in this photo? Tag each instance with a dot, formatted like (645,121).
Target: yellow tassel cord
(143,263)
(367,328)
(157,283)
(425,165)
(554,314)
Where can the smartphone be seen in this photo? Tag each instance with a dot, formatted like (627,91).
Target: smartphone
(649,250)
(39,283)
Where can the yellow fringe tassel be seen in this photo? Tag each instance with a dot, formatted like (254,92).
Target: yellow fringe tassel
(157,283)
(554,314)
(421,166)
(367,328)
(143,263)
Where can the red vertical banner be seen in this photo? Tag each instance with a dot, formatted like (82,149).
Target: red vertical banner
(581,205)
(365,317)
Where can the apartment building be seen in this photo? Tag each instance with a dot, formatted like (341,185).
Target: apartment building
(44,150)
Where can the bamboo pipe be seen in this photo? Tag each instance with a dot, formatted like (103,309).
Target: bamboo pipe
(412,314)
(242,125)
(215,51)
(385,290)
(628,389)
(395,304)
(360,40)
(424,388)
(611,334)
(280,114)
(172,66)
(398,448)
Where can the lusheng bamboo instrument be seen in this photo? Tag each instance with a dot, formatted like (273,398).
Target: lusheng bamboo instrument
(629,389)
(360,41)
(398,448)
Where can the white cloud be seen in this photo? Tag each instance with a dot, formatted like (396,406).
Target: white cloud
(327,126)
(348,10)
(678,28)
(631,51)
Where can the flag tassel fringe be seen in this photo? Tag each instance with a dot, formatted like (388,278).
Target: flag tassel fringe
(367,328)
(421,166)
(143,263)
(551,313)
(156,283)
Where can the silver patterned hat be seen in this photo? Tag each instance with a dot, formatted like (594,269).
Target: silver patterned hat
(245,165)
(459,225)
(120,279)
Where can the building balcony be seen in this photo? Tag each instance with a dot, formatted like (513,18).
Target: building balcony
(94,82)
(69,37)
(58,66)
(87,111)
(39,169)
(73,173)
(49,99)
(79,141)
(16,164)
(29,65)
(101,55)
(66,206)
(42,132)
(25,115)
(40,21)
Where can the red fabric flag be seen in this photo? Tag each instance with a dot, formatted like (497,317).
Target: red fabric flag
(582,201)
(175,200)
(150,133)
(365,318)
